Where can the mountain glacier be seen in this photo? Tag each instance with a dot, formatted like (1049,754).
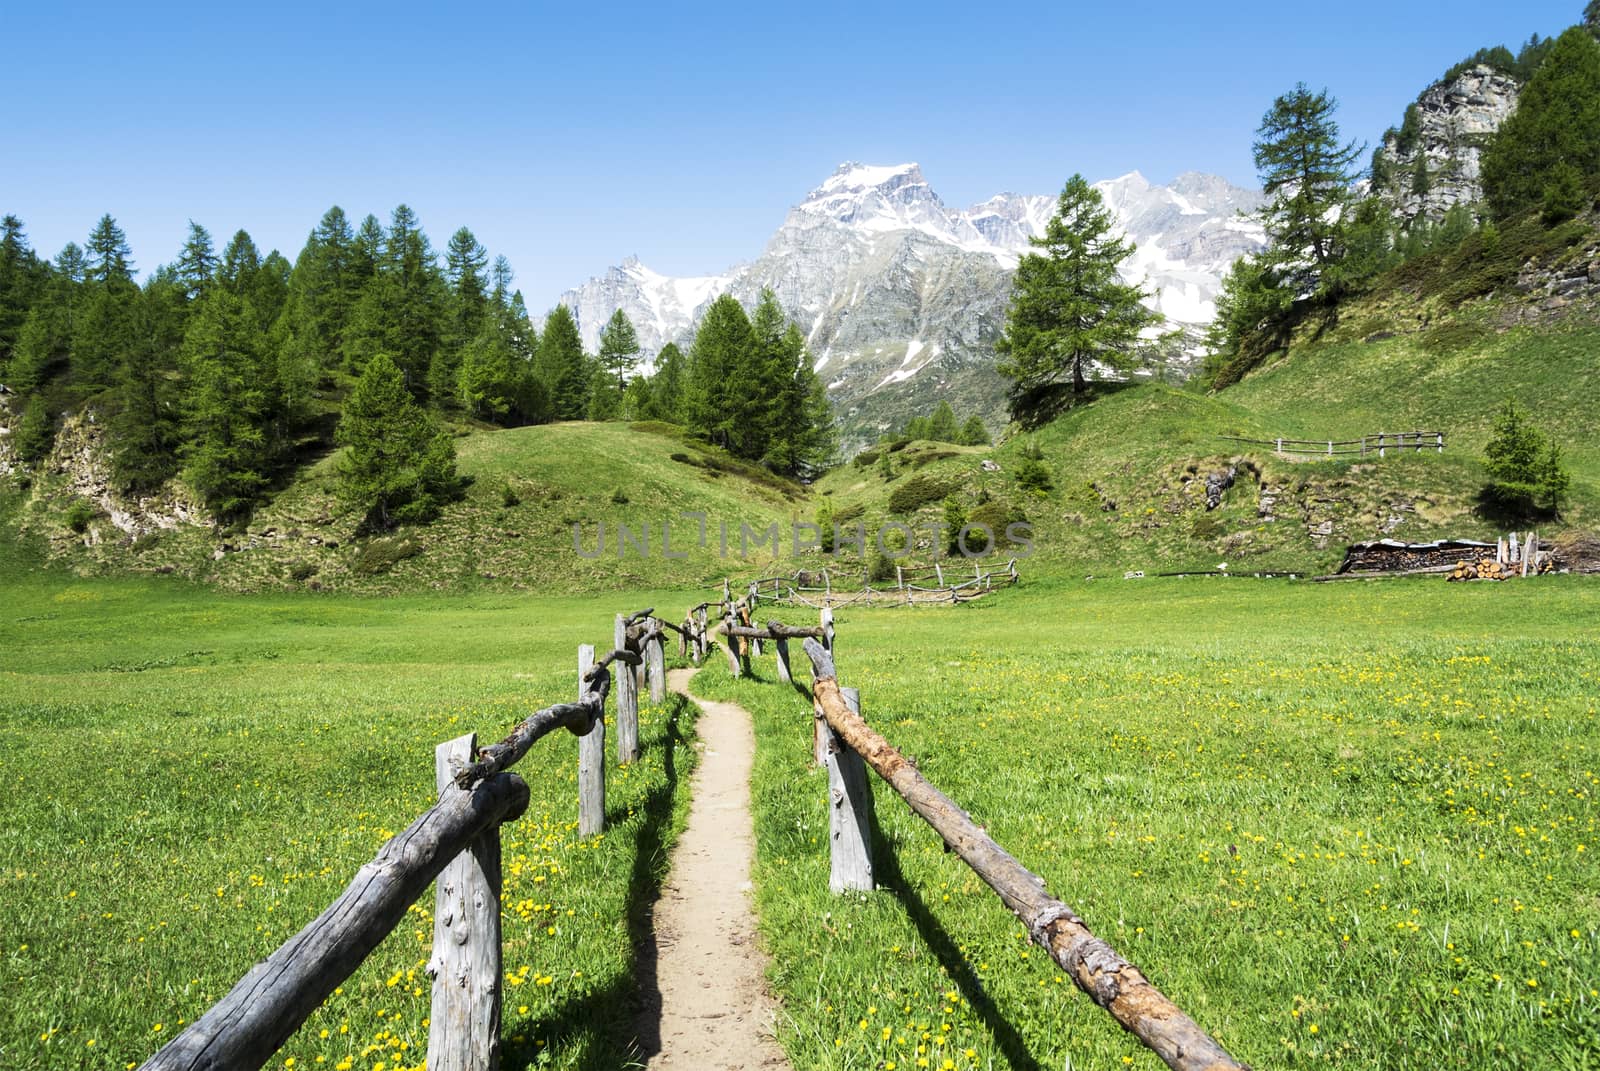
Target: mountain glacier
(902,297)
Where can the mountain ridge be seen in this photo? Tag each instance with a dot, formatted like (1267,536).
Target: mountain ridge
(887,281)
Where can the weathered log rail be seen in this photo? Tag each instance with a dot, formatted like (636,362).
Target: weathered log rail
(1380,444)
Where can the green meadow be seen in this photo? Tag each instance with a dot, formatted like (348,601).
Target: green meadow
(1336,823)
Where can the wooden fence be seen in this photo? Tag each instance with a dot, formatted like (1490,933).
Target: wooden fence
(914,585)
(456,845)
(1379,444)
(457,842)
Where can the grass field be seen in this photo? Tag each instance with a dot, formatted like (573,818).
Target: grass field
(191,777)
(1346,823)
(1337,824)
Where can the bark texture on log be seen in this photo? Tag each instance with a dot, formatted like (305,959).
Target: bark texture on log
(591,760)
(1094,967)
(627,701)
(656,660)
(244,1028)
(574,717)
(464,1022)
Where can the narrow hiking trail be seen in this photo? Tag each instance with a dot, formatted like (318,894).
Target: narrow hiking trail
(709,1009)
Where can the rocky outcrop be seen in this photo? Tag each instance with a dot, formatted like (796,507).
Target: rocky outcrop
(79,457)
(1433,162)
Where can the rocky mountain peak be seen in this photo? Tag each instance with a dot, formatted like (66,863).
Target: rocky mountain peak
(1433,161)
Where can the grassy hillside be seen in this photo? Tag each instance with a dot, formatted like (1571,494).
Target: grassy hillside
(513,529)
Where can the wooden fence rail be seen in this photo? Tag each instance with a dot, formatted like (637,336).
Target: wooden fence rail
(1379,444)
(457,842)
(1094,967)
(953,585)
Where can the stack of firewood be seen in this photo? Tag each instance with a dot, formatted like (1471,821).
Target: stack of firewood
(1482,569)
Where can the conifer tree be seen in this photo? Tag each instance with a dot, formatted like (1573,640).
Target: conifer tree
(35,432)
(398,467)
(488,385)
(942,426)
(562,367)
(143,428)
(605,401)
(22,279)
(718,371)
(230,408)
(1305,174)
(197,263)
(1069,309)
(465,261)
(619,348)
(102,329)
(1553,137)
(667,385)
(973,433)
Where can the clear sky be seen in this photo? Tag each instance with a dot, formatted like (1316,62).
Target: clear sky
(570,136)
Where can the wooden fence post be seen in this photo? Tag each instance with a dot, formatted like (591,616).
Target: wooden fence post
(938,572)
(827,628)
(730,642)
(627,698)
(849,811)
(656,658)
(464,1025)
(782,646)
(592,756)
(753,605)
(1440,437)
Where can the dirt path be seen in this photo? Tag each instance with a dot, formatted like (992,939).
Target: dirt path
(709,1009)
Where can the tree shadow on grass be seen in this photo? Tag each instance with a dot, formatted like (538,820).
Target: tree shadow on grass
(618,1025)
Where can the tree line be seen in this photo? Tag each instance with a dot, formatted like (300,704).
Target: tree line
(228,369)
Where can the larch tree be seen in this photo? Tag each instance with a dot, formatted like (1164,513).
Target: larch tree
(717,371)
(1070,311)
(562,367)
(398,467)
(1306,175)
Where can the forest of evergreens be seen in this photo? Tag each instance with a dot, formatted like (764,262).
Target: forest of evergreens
(228,370)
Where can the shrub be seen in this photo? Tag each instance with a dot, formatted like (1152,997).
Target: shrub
(302,571)
(996,516)
(865,458)
(619,497)
(932,455)
(917,492)
(381,555)
(682,458)
(1033,477)
(508,498)
(881,569)
(78,516)
(657,427)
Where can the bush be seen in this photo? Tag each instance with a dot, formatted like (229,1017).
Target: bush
(381,555)
(932,455)
(881,569)
(996,516)
(865,458)
(1524,465)
(917,492)
(619,497)
(1033,477)
(682,458)
(78,516)
(657,427)
(302,571)
(508,498)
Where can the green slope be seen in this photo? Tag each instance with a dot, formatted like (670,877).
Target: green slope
(513,529)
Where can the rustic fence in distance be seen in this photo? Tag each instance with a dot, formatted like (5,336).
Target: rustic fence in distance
(1379,444)
(940,583)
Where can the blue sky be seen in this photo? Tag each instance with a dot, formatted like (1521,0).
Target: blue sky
(568,137)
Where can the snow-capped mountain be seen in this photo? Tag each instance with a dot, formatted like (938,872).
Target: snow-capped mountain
(902,297)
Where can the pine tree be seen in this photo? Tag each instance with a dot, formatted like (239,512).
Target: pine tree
(197,263)
(1556,123)
(973,433)
(401,311)
(716,363)
(1069,309)
(1524,465)
(942,426)
(619,347)
(636,399)
(1305,174)
(397,467)
(487,384)
(22,280)
(143,427)
(230,406)
(667,385)
(322,290)
(35,432)
(103,326)
(605,401)
(465,261)
(366,251)
(562,367)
